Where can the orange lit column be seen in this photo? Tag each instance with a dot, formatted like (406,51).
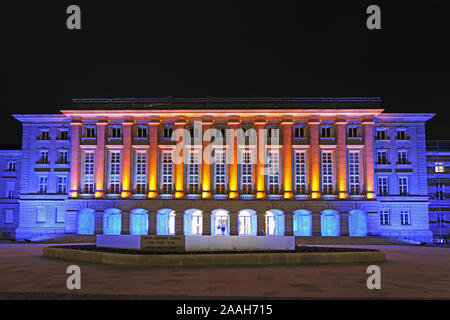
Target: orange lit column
(287,159)
(153,159)
(100,160)
(206,163)
(232,159)
(368,158)
(179,158)
(75,158)
(126,169)
(315,161)
(260,157)
(342,158)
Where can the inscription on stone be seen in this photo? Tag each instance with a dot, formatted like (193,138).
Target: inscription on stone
(163,243)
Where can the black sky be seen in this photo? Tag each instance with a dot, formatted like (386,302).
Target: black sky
(222,49)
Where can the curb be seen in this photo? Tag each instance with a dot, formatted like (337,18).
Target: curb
(203,260)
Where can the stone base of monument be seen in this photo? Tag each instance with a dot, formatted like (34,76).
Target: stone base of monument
(196,243)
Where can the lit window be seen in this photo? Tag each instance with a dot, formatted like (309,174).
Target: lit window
(44,135)
(273,182)
(89,132)
(43,157)
(166,173)
(439,167)
(381,134)
(220,174)
(327,173)
(167,132)
(401,134)
(300,172)
(88,176)
(141,172)
(62,185)
(43,183)
(326,132)
(116,132)
(193,174)
(382,157)
(63,134)
(114,172)
(402,157)
(353,132)
(141,132)
(299,132)
(246,172)
(270,224)
(353,170)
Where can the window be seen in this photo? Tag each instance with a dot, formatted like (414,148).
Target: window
(141,132)
(353,132)
(246,172)
(43,183)
(273,158)
(44,135)
(272,133)
(383,186)
(116,132)
(403,186)
(197,223)
(167,133)
(401,134)
(89,132)
(63,157)
(193,174)
(11,166)
(384,217)
(141,172)
(439,167)
(166,173)
(62,184)
(300,172)
(270,224)
(381,134)
(41,214)
(219,172)
(327,172)
(440,194)
(60,215)
(194,133)
(402,157)
(382,157)
(353,170)
(114,172)
(88,176)
(9,216)
(43,157)
(325,132)
(63,134)
(404,218)
(299,132)
(10,189)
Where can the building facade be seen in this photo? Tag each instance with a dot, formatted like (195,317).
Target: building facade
(340,167)
(438,168)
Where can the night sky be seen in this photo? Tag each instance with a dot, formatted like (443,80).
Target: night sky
(224,49)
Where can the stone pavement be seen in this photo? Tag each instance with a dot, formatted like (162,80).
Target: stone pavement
(409,272)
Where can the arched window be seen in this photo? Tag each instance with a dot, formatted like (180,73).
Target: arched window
(357,223)
(193,222)
(302,223)
(86,221)
(165,222)
(330,223)
(220,222)
(274,223)
(139,222)
(112,221)
(247,222)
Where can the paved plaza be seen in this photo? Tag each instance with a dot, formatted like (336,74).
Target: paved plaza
(409,272)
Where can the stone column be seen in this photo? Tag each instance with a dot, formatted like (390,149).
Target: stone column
(100,160)
(342,158)
(288,224)
(75,159)
(207,216)
(153,159)
(261,223)
(287,159)
(260,159)
(126,163)
(315,160)
(179,158)
(368,158)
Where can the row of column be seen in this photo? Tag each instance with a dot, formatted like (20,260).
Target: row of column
(286,181)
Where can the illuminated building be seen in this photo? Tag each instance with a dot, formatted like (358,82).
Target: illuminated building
(438,169)
(288,166)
